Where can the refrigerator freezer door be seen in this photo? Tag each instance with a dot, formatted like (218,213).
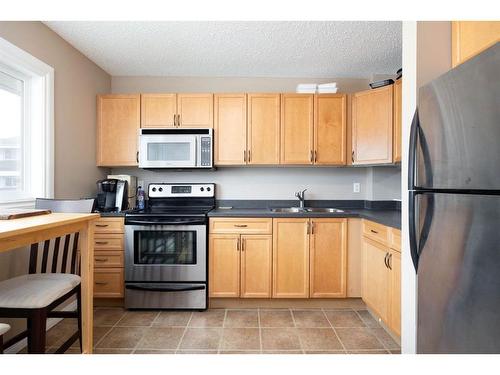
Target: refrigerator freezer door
(459,135)
(458,273)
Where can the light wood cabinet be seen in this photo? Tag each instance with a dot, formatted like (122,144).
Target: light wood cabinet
(177,110)
(118,122)
(158,110)
(297,125)
(328,258)
(372,126)
(224,265)
(108,257)
(263,122)
(469,38)
(240,261)
(256,261)
(195,110)
(376,278)
(381,273)
(330,129)
(397,120)
(230,129)
(395,290)
(290,258)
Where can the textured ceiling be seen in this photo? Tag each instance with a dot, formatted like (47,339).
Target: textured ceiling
(238,49)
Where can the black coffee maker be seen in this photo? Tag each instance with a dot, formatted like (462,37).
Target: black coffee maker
(112,195)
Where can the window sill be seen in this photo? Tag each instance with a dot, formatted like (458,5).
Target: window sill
(30,203)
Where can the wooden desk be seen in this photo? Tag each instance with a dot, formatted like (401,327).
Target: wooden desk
(23,232)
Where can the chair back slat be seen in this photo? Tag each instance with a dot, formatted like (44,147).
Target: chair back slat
(55,255)
(33,258)
(74,253)
(45,256)
(65,253)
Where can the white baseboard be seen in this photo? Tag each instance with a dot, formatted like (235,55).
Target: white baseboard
(16,348)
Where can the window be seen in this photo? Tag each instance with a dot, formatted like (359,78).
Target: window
(26,127)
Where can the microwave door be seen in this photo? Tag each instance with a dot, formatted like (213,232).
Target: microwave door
(169,151)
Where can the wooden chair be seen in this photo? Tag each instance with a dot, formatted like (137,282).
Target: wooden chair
(53,278)
(3,330)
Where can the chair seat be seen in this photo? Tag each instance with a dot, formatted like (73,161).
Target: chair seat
(36,290)
(4,328)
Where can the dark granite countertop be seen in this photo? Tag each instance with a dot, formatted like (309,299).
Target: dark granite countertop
(387,213)
(112,214)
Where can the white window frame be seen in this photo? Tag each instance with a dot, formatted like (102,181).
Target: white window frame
(40,98)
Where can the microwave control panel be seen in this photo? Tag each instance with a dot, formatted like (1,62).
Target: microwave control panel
(206,151)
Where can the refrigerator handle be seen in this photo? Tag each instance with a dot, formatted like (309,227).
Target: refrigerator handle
(412,152)
(412,229)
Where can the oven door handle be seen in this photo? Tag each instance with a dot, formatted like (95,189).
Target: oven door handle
(165,288)
(149,222)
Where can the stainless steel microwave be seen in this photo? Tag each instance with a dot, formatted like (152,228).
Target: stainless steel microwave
(175,148)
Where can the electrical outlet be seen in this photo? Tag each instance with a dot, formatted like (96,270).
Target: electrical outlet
(356,187)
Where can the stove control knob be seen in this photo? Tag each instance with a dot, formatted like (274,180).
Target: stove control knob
(208,189)
(154,189)
(202,189)
(160,189)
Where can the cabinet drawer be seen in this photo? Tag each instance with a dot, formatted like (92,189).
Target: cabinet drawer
(395,243)
(108,225)
(108,259)
(241,225)
(376,232)
(108,282)
(108,242)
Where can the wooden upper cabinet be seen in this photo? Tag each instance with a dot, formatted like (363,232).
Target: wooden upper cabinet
(224,265)
(290,258)
(118,122)
(195,110)
(263,138)
(158,110)
(469,38)
(397,120)
(256,266)
(330,129)
(395,310)
(328,258)
(372,123)
(375,277)
(230,129)
(297,117)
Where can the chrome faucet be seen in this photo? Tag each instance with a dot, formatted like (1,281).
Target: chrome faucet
(301,198)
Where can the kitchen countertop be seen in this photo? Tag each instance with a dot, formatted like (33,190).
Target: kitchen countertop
(391,218)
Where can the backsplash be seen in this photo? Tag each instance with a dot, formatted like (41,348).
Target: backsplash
(281,183)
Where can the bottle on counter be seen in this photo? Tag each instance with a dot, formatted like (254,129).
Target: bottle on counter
(140,198)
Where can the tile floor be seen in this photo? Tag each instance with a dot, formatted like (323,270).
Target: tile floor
(245,331)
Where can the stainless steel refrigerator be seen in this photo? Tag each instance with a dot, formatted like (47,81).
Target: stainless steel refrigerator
(454,208)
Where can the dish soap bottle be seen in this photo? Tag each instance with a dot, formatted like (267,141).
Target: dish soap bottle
(140,198)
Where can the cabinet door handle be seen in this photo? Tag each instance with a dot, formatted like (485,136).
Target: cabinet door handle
(178,120)
(101,259)
(373,231)
(102,225)
(312,227)
(389,262)
(315,156)
(100,283)
(243,244)
(245,156)
(308,227)
(137,156)
(385,260)
(101,242)
(238,245)
(249,156)
(352,156)
(312,156)
(240,225)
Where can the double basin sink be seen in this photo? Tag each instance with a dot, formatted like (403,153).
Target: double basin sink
(305,210)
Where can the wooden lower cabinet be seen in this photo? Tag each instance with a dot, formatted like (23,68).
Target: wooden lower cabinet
(256,266)
(108,283)
(224,254)
(328,258)
(395,290)
(290,258)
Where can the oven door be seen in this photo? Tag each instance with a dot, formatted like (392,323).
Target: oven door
(167,151)
(165,253)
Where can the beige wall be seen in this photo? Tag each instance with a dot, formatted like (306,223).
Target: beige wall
(137,84)
(433,50)
(77,81)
